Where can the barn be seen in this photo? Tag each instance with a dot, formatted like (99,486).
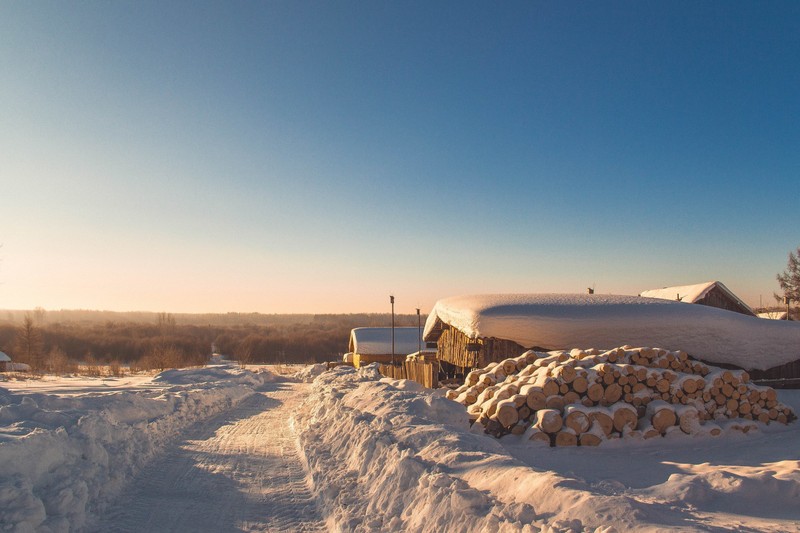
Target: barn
(711,293)
(472,331)
(374,345)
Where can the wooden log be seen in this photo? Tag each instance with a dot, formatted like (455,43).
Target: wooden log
(595,392)
(589,439)
(487,394)
(474,411)
(509,366)
(580,384)
(566,437)
(603,420)
(536,399)
(612,394)
(519,428)
(535,434)
(648,431)
(662,415)
(555,402)
(565,373)
(519,400)
(572,397)
(624,416)
(576,419)
(524,412)
(548,420)
(688,419)
(507,413)
(548,385)
(489,407)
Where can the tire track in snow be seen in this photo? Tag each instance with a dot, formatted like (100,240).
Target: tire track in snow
(238,471)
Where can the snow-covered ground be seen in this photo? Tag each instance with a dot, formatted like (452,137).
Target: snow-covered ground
(227,449)
(410,462)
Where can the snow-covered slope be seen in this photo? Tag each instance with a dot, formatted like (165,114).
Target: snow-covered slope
(564,321)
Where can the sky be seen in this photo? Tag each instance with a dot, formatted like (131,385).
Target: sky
(283,157)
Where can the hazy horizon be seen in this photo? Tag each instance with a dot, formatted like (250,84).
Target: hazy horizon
(314,158)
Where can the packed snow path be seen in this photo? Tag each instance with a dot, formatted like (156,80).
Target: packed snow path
(239,471)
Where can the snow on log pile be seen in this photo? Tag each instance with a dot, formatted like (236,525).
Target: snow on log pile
(583,397)
(63,459)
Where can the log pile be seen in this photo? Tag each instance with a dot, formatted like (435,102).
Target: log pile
(583,397)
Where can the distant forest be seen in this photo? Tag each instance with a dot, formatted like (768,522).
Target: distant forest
(55,340)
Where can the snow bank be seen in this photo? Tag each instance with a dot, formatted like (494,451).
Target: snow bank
(388,459)
(310,372)
(63,459)
(561,321)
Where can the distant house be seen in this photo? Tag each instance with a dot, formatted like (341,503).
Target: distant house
(374,345)
(774,315)
(711,293)
(5,362)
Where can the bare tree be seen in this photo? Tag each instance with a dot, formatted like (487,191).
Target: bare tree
(29,344)
(789,279)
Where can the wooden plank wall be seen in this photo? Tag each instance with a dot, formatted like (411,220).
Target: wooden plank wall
(495,350)
(424,373)
(789,371)
(452,347)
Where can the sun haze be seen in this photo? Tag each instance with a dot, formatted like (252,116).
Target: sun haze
(316,157)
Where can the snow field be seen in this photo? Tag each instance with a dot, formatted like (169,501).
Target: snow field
(63,459)
(587,396)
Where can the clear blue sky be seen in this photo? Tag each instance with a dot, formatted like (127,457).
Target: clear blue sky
(316,156)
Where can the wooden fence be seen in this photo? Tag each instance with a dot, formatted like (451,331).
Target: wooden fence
(424,373)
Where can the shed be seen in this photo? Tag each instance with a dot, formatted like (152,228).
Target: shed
(374,345)
(5,360)
(711,293)
(472,331)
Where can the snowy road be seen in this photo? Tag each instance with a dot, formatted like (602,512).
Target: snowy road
(239,471)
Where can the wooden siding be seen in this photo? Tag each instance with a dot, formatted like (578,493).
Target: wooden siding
(716,297)
(424,373)
(789,371)
(457,349)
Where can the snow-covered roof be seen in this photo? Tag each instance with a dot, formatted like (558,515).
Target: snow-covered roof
(692,293)
(564,321)
(773,315)
(378,341)
(4,358)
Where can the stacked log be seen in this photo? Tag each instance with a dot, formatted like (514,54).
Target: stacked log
(582,397)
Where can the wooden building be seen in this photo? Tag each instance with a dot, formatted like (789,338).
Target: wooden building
(455,348)
(473,331)
(712,293)
(374,345)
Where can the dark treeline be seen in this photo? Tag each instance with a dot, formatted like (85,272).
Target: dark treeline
(50,341)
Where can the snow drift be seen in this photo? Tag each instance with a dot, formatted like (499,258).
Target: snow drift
(564,321)
(64,458)
(383,458)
